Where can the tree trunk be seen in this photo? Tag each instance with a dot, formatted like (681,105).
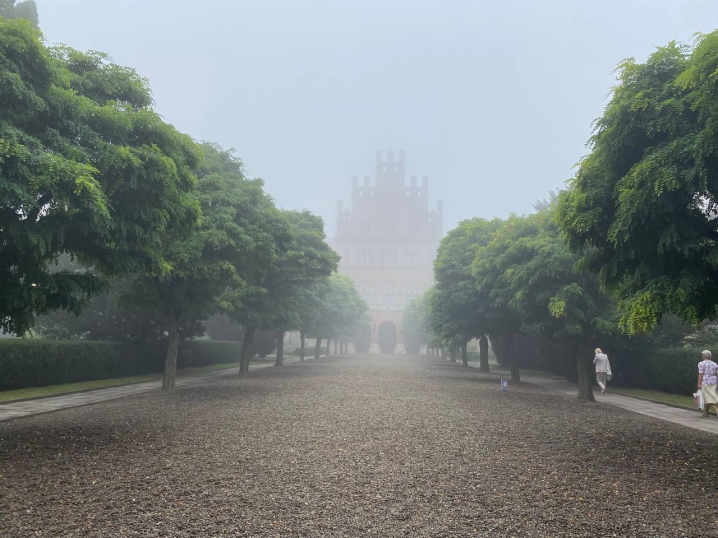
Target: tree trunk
(301,346)
(329,346)
(585,390)
(464,356)
(246,351)
(318,348)
(483,353)
(279,361)
(443,353)
(168,381)
(515,376)
(452,354)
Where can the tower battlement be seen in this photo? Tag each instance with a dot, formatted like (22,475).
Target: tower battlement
(387,241)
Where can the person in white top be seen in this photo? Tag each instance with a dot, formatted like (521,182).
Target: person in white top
(603,368)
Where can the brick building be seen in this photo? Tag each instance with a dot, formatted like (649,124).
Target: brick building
(387,241)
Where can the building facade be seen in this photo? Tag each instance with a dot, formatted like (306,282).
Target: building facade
(387,241)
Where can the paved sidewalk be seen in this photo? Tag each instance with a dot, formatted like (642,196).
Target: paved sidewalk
(53,403)
(685,417)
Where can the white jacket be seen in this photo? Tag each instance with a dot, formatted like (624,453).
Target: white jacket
(601,362)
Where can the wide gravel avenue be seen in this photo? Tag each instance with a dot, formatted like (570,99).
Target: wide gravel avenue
(355,446)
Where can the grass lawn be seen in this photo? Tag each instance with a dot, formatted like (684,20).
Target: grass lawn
(657,396)
(53,390)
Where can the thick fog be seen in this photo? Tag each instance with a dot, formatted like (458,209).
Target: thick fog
(492,100)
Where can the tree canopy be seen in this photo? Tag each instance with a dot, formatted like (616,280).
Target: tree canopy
(87,168)
(643,204)
(457,316)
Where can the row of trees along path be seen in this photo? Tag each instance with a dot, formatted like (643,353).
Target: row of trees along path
(89,170)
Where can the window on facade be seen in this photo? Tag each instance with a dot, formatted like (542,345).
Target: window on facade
(365,258)
(410,293)
(388,294)
(365,293)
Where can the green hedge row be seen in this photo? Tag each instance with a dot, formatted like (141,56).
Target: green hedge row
(671,370)
(38,363)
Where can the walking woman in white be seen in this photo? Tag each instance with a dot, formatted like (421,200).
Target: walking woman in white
(603,367)
(707,381)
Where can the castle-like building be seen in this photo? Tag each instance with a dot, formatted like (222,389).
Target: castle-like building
(387,242)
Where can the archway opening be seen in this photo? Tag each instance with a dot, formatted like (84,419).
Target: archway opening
(387,337)
(362,341)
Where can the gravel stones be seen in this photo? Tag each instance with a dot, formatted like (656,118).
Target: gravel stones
(360,446)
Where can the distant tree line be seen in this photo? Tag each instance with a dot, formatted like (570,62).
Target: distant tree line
(107,209)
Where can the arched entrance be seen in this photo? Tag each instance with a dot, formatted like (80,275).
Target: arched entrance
(362,342)
(387,337)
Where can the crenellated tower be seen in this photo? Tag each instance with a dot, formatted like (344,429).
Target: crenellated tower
(387,241)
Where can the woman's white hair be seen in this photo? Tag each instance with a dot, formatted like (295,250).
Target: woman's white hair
(707,354)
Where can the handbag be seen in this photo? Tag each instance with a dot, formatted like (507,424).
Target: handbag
(609,375)
(698,399)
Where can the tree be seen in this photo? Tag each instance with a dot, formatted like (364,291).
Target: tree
(456,307)
(308,259)
(414,323)
(552,297)
(27,9)
(273,298)
(213,259)
(87,168)
(311,300)
(643,204)
(220,327)
(490,269)
(341,313)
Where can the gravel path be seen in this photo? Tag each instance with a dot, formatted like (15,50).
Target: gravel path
(361,446)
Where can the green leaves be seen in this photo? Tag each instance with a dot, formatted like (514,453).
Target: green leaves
(455,306)
(86,168)
(642,204)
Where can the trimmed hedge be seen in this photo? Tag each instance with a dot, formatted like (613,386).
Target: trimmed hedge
(37,363)
(672,369)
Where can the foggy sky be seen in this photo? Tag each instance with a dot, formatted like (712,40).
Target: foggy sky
(493,100)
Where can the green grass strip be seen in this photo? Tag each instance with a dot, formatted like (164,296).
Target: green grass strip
(54,390)
(656,396)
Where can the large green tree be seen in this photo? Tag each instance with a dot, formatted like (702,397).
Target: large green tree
(87,168)
(552,297)
(456,307)
(643,203)
(491,270)
(253,304)
(217,256)
(307,260)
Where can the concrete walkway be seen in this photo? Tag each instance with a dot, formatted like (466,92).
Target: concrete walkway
(684,417)
(24,408)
